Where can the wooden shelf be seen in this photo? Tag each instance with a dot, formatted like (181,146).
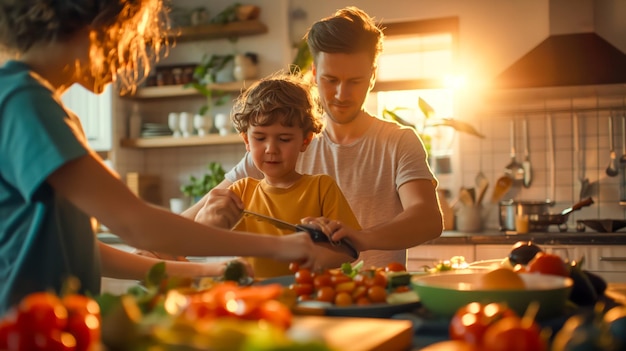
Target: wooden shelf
(218,31)
(167,91)
(162,142)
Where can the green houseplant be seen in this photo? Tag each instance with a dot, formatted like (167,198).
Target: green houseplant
(205,75)
(197,187)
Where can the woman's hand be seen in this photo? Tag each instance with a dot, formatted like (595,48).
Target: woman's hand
(160,255)
(222,208)
(298,248)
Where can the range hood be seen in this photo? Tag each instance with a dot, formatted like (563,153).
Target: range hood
(566,59)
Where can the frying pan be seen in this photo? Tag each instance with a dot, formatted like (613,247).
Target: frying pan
(558,218)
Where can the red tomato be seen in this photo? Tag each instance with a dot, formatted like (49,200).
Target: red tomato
(509,334)
(337,279)
(322,280)
(86,329)
(294,267)
(471,321)
(343,299)
(377,293)
(276,313)
(57,340)
(8,326)
(301,289)
(395,267)
(326,294)
(547,263)
(41,312)
(81,304)
(304,276)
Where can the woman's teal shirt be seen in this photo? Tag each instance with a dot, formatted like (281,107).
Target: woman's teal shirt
(44,239)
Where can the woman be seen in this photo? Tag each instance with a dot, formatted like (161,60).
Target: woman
(51,182)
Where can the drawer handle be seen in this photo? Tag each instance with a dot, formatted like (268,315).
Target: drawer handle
(613,259)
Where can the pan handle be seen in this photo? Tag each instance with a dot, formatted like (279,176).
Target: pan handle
(582,203)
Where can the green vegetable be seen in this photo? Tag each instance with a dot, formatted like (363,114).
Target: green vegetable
(350,270)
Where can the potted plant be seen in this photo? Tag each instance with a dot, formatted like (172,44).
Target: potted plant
(198,187)
(205,75)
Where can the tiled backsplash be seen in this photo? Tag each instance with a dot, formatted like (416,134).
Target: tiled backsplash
(495,153)
(489,155)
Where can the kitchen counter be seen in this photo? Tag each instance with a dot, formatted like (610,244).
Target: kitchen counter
(495,237)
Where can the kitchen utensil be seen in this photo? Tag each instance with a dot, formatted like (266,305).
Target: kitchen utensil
(604,225)
(503,184)
(580,159)
(317,235)
(444,293)
(528,175)
(611,169)
(483,184)
(514,169)
(552,156)
(509,210)
(558,218)
(466,197)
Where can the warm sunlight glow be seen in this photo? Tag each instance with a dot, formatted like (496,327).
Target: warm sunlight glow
(454,82)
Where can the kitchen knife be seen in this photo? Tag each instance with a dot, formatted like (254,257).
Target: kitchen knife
(317,235)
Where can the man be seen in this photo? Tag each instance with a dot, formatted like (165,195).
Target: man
(380,166)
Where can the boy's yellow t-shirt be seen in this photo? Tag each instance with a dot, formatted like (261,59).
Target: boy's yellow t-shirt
(311,196)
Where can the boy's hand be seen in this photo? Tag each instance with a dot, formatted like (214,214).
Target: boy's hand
(222,208)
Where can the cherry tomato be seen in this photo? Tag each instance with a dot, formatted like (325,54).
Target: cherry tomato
(294,267)
(547,263)
(276,313)
(377,293)
(57,340)
(322,280)
(510,334)
(81,304)
(41,312)
(343,299)
(362,301)
(86,330)
(304,276)
(346,287)
(358,292)
(395,267)
(302,289)
(471,321)
(326,294)
(339,278)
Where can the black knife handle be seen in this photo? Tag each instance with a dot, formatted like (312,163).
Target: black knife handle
(318,236)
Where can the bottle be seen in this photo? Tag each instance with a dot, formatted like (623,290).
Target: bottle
(134,123)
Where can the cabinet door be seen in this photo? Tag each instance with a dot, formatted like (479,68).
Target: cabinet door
(430,255)
(95,113)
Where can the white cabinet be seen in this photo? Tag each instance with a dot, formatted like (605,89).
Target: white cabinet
(430,255)
(608,261)
(95,113)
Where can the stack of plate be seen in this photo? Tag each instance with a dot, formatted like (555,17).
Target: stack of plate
(154,130)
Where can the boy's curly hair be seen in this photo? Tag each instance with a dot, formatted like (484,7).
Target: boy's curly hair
(280,97)
(127,36)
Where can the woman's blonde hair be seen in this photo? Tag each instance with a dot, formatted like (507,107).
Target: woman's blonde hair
(127,36)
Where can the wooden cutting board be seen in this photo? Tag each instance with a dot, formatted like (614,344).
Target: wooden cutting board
(359,334)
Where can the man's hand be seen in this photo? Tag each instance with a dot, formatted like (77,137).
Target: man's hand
(221,208)
(336,230)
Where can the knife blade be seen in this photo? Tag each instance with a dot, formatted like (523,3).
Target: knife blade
(317,235)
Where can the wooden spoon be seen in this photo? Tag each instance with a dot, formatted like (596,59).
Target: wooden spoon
(503,184)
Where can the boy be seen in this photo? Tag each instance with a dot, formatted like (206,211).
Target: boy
(277,118)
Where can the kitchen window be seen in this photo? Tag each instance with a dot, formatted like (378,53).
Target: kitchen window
(417,62)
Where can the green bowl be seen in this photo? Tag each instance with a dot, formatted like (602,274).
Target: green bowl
(444,293)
